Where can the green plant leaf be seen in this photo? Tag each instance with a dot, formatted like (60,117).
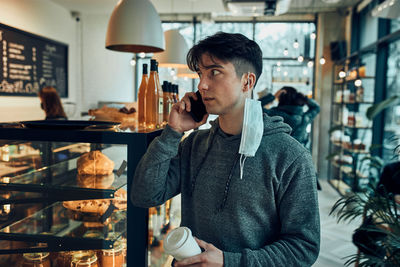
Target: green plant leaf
(375,109)
(374,146)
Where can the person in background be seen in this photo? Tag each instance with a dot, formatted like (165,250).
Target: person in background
(247,187)
(50,102)
(290,108)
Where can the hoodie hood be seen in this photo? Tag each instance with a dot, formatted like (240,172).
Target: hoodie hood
(272,125)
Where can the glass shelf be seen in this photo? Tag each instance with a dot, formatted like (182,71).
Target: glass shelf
(56,228)
(62,182)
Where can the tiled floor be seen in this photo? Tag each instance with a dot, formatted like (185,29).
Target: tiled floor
(335,238)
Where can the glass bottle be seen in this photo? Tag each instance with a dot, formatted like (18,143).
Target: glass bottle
(160,101)
(151,97)
(142,97)
(84,258)
(165,102)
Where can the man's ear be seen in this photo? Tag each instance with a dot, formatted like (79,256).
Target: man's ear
(248,81)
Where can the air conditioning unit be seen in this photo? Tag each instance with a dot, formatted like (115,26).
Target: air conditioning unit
(257,7)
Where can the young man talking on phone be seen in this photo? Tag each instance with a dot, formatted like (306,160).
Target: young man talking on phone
(248,189)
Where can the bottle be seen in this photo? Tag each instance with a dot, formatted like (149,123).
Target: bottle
(175,93)
(151,97)
(160,101)
(165,102)
(142,98)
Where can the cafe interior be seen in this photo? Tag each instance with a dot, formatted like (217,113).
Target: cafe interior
(344,54)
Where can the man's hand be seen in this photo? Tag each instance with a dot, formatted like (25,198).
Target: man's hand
(211,257)
(180,119)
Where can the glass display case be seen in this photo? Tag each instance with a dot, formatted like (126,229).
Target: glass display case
(63,196)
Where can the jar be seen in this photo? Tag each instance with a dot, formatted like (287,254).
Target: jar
(113,257)
(84,258)
(63,259)
(40,259)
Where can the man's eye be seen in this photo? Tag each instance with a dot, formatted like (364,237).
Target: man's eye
(215,72)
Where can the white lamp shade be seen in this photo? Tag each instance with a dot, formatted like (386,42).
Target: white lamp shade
(175,52)
(135,26)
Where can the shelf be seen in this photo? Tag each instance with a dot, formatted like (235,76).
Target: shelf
(348,170)
(59,182)
(353,103)
(56,228)
(357,127)
(356,151)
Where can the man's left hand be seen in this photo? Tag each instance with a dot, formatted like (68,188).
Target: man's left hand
(211,257)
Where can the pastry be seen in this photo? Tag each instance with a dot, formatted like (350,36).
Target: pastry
(120,199)
(95,181)
(98,206)
(95,163)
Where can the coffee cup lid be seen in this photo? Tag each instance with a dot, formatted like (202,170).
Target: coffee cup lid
(176,238)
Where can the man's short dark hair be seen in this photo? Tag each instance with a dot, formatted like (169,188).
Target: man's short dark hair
(243,53)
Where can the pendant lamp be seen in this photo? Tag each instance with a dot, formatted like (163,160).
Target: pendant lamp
(135,26)
(175,52)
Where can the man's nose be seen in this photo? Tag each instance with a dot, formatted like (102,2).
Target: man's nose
(203,84)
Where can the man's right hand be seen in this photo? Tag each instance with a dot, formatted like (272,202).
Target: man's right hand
(179,118)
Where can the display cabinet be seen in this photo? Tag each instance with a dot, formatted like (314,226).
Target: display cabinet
(52,210)
(351,131)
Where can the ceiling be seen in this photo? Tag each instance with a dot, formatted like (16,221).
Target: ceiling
(202,6)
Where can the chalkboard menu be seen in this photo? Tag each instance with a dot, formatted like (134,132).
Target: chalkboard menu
(29,62)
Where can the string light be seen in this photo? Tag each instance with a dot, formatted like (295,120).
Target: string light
(300,58)
(133,62)
(358,82)
(142,55)
(310,64)
(296,44)
(313,35)
(286,52)
(322,60)
(278,63)
(342,74)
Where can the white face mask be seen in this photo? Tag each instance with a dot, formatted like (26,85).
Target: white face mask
(252,130)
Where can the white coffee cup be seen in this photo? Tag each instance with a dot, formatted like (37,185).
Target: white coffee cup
(180,244)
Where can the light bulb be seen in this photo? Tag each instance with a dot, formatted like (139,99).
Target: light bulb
(142,55)
(285,73)
(358,82)
(133,62)
(175,78)
(342,74)
(322,61)
(300,58)
(278,63)
(172,72)
(313,35)
(286,52)
(310,64)
(296,44)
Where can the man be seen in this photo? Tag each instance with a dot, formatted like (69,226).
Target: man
(261,212)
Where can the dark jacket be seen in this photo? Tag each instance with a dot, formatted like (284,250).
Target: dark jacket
(268,218)
(296,118)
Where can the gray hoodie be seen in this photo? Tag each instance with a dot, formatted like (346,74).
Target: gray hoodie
(269,218)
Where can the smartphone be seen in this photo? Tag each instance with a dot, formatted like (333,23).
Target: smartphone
(197,108)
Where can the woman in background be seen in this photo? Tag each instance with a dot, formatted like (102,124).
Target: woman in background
(51,104)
